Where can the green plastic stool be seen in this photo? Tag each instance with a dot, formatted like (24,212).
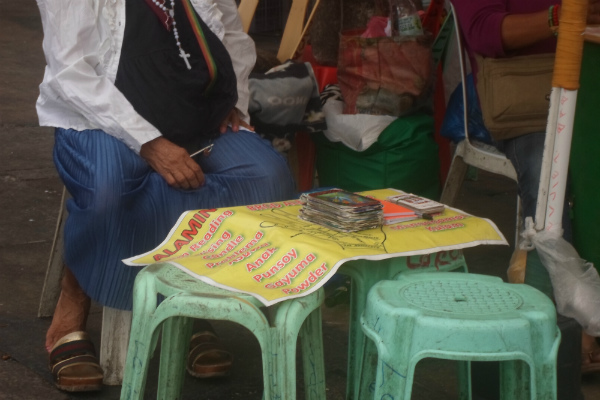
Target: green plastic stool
(185,298)
(466,317)
(362,355)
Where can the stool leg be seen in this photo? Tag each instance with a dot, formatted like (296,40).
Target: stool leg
(464,380)
(311,340)
(356,340)
(395,363)
(142,336)
(361,354)
(283,365)
(515,380)
(364,386)
(545,381)
(289,318)
(394,381)
(176,333)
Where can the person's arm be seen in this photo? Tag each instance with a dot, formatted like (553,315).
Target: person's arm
(522,30)
(242,51)
(223,19)
(481,24)
(492,31)
(74,50)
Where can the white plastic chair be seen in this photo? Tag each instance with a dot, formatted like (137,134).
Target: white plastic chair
(470,152)
(473,153)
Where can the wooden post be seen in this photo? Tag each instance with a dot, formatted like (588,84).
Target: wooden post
(293,30)
(246,9)
(116,326)
(54,271)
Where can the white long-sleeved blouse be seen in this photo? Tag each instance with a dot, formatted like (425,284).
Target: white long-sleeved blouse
(82,45)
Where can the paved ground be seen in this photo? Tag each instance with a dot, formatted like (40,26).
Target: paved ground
(29,201)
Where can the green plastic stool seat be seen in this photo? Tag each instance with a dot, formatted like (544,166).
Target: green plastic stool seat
(466,317)
(185,298)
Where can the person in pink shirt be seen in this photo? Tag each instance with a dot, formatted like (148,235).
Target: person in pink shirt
(506,28)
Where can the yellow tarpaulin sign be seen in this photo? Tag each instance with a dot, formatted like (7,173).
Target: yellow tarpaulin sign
(267,251)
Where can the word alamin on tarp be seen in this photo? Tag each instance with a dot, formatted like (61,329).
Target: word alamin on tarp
(267,251)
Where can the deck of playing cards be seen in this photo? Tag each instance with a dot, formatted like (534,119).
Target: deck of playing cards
(342,211)
(419,204)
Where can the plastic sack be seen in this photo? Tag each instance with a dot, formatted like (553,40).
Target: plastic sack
(358,131)
(285,100)
(385,75)
(404,156)
(453,126)
(376,27)
(575,281)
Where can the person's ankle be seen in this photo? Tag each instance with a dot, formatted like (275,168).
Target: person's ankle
(52,337)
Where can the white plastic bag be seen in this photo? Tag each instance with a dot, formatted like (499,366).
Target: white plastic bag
(357,131)
(575,281)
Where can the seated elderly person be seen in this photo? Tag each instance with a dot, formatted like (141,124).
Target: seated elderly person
(133,88)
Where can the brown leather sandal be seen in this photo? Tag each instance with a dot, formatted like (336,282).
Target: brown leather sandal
(207,357)
(590,362)
(74,364)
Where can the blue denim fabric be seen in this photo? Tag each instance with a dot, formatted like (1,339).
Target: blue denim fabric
(525,153)
(121,207)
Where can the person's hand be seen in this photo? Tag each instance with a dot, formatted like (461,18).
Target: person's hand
(173,163)
(233,119)
(593,15)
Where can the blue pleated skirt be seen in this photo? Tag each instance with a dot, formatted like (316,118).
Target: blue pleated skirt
(121,208)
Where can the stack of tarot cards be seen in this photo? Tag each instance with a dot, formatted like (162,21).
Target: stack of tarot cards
(342,211)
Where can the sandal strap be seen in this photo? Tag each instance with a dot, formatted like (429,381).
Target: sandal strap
(70,349)
(203,337)
(591,355)
(84,359)
(203,349)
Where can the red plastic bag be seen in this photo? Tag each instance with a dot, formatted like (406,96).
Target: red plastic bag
(384,75)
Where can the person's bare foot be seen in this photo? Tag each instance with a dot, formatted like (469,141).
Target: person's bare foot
(71,311)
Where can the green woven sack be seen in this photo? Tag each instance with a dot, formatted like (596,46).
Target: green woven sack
(404,157)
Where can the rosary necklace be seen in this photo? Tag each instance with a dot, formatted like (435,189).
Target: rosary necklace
(170,14)
(167,19)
